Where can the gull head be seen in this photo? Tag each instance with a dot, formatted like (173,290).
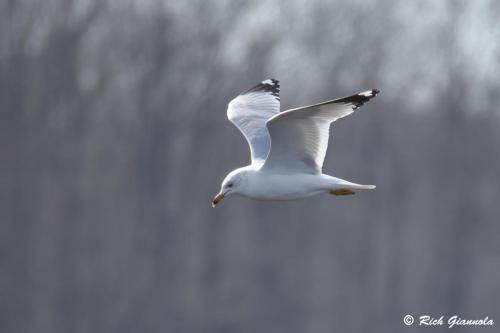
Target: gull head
(232,184)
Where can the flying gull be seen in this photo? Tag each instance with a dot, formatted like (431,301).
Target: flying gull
(287,148)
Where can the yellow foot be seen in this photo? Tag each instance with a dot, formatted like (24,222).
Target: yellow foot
(342,191)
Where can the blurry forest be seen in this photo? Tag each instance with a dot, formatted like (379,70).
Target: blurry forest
(114,139)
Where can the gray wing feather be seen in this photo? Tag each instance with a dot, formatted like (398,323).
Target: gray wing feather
(300,136)
(250,111)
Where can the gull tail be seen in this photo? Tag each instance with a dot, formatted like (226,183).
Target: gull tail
(362,187)
(347,188)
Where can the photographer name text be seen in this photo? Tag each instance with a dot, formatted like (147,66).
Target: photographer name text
(453,321)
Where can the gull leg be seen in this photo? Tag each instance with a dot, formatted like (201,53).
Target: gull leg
(342,191)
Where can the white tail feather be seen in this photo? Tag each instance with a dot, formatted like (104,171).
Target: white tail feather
(360,187)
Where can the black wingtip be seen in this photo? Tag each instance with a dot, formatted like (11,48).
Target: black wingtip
(269,85)
(359,99)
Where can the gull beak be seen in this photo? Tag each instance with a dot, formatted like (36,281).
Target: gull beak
(217,198)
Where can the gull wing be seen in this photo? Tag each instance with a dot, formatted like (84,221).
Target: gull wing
(250,111)
(299,137)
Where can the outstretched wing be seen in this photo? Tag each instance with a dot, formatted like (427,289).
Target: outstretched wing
(251,110)
(299,137)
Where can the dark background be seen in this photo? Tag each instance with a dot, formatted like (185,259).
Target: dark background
(114,139)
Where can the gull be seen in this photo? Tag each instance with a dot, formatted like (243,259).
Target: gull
(287,148)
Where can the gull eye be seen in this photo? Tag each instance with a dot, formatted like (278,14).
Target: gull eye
(230,185)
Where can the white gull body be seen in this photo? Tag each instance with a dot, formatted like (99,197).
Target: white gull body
(287,148)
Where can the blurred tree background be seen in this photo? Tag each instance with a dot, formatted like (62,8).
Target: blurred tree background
(114,139)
